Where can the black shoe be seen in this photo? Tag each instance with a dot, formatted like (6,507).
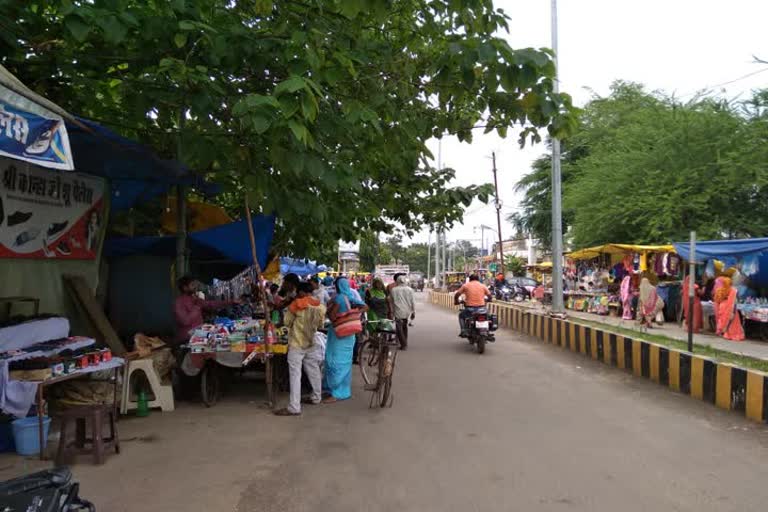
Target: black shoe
(462,334)
(56,227)
(18,218)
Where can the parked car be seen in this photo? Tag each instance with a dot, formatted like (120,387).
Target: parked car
(528,283)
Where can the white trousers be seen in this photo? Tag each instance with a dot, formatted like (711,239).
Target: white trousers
(310,359)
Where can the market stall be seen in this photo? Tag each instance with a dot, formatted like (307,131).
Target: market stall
(233,344)
(37,354)
(745,261)
(594,275)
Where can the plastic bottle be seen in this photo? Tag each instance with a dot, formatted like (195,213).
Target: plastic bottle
(142,405)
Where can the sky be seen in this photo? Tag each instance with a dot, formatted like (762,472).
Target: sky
(678,46)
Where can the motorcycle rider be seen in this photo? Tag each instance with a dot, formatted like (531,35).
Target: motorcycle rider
(475,293)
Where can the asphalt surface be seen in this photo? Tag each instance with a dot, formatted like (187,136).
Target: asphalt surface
(526,426)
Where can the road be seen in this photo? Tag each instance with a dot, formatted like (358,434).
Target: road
(526,426)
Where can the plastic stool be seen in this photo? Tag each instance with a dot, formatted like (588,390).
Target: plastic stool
(81,416)
(163,394)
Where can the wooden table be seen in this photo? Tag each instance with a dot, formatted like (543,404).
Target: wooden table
(41,385)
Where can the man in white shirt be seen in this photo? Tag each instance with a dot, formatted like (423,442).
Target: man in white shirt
(402,305)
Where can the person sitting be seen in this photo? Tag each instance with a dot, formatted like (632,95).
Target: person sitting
(475,294)
(304,317)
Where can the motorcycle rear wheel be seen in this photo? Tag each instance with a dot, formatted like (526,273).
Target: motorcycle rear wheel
(480,344)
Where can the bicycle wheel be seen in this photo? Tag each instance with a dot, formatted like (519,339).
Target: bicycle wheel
(209,385)
(387,372)
(368,359)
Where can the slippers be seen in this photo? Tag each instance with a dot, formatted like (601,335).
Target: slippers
(308,401)
(285,412)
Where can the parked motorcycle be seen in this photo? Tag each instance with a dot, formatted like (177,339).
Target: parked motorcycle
(511,293)
(52,490)
(480,327)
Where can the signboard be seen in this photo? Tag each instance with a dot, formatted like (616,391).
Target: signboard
(32,133)
(48,214)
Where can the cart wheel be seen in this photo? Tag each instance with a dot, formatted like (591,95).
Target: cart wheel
(763,331)
(209,385)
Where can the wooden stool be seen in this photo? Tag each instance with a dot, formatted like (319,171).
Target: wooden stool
(80,415)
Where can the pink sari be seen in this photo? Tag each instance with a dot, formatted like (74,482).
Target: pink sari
(626,297)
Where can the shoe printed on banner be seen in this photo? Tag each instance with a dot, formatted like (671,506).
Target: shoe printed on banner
(63,248)
(48,253)
(74,243)
(26,237)
(56,228)
(18,218)
(2,212)
(43,142)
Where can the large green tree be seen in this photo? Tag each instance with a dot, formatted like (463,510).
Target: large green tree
(644,167)
(317,110)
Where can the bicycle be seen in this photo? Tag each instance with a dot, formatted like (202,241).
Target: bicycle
(379,351)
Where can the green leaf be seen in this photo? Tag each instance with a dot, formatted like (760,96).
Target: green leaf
(260,123)
(290,85)
(77,27)
(180,40)
(309,106)
(114,30)
(186,25)
(351,8)
(299,130)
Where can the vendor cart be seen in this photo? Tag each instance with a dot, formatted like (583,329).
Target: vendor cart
(455,280)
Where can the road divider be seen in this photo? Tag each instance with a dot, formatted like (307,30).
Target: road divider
(728,386)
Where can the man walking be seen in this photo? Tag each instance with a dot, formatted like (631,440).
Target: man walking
(303,318)
(403,307)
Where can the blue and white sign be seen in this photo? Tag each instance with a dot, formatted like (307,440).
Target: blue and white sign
(32,133)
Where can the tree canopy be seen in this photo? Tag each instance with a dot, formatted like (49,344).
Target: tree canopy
(318,110)
(644,167)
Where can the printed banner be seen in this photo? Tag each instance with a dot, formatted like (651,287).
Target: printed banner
(32,133)
(48,214)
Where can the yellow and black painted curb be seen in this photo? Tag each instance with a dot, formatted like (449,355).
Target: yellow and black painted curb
(727,386)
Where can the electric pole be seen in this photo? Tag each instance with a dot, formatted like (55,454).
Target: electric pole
(557,216)
(498,212)
(429,246)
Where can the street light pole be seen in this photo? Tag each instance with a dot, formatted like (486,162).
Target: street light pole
(557,216)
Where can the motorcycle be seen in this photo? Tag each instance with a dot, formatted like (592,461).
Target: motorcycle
(511,293)
(480,327)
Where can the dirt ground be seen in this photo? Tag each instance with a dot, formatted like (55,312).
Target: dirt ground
(526,426)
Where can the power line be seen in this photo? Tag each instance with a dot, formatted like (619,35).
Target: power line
(709,87)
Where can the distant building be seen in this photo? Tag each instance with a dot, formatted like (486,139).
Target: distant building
(525,248)
(349,257)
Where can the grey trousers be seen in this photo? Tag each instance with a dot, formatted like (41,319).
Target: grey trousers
(310,359)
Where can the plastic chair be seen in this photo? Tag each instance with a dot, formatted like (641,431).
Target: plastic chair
(163,393)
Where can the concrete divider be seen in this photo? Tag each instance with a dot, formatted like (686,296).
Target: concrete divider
(725,385)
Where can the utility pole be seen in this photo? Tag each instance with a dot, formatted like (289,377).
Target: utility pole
(429,246)
(557,215)
(437,259)
(498,212)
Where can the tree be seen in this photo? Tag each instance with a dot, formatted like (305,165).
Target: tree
(514,264)
(416,257)
(396,250)
(642,167)
(318,111)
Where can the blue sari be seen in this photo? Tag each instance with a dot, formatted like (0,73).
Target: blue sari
(339,351)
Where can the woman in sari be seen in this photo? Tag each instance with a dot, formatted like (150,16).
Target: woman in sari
(728,318)
(339,351)
(626,297)
(378,305)
(648,303)
(697,311)
(718,295)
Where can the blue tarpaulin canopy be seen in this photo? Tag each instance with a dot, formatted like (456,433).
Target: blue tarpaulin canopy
(228,241)
(722,249)
(298,266)
(136,173)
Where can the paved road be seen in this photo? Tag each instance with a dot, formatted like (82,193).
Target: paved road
(525,427)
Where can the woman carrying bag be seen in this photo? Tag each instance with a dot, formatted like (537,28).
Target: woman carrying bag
(344,311)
